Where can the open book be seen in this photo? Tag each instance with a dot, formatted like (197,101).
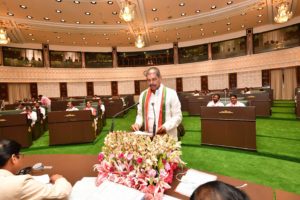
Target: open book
(191,180)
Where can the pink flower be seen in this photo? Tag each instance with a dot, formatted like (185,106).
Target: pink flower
(100,157)
(129,156)
(139,160)
(121,155)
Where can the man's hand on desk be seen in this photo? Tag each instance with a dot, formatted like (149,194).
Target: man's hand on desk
(54,177)
(135,127)
(161,130)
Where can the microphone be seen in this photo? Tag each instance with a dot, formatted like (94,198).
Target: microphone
(154,124)
(40,166)
(118,113)
(35,167)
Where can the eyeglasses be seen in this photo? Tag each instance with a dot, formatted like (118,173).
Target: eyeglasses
(18,155)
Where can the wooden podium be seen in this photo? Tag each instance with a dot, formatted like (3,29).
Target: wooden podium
(71,127)
(229,127)
(15,127)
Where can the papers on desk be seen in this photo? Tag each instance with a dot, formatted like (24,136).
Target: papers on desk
(143,133)
(191,180)
(42,178)
(86,189)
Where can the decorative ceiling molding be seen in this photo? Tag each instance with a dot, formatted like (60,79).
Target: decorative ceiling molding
(206,17)
(53,26)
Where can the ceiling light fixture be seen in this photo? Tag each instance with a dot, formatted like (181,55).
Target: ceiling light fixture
(127,11)
(76,2)
(183,14)
(110,2)
(283,13)
(29,17)
(23,6)
(139,42)
(87,13)
(58,11)
(10,14)
(4,39)
(93,2)
(213,7)
(154,9)
(197,11)
(182,4)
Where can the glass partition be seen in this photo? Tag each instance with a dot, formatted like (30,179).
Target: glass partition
(18,57)
(193,53)
(63,59)
(98,60)
(277,39)
(229,48)
(145,58)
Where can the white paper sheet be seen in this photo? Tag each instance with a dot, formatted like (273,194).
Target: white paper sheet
(191,180)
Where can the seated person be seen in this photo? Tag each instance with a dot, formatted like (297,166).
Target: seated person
(31,115)
(40,110)
(217,190)
(21,107)
(196,93)
(215,101)
(234,102)
(246,91)
(24,186)
(70,107)
(88,106)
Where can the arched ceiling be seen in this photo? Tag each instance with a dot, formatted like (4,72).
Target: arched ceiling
(97,23)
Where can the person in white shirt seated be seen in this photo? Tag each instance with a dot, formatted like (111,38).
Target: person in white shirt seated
(215,101)
(41,110)
(14,186)
(234,102)
(89,107)
(31,115)
(70,107)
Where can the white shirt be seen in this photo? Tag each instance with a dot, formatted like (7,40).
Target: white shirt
(238,104)
(43,111)
(173,111)
(213,104)
(72,109)
(32,116)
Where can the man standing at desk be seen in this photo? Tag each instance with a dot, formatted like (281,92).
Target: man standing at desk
(159,107)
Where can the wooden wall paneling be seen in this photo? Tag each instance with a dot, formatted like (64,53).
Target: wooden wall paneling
(204,82)
(34,90)
(232,78)
(114,88)
(266,78)
(63,89)
(90,88)
(4,91)
(137,89)
(298,76)
(179,85)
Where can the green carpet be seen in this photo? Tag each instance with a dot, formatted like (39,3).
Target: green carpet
(276,162)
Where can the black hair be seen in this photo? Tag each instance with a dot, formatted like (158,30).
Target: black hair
(155,69)
(218,190)
(217,95)
(233,95)
(7,149)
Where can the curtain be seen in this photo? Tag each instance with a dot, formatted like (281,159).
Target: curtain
(18,91)
(283,83)
(290,83)
(276,83)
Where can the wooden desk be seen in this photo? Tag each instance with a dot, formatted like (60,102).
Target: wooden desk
(71,127)
(229,127)
(15,127)
(74,167)
(262,103)
(283,195)
(195,103)
(113,106)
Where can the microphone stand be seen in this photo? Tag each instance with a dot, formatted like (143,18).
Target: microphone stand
(118,113)
(154,124)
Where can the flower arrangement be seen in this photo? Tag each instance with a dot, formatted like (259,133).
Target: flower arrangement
(139,162)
